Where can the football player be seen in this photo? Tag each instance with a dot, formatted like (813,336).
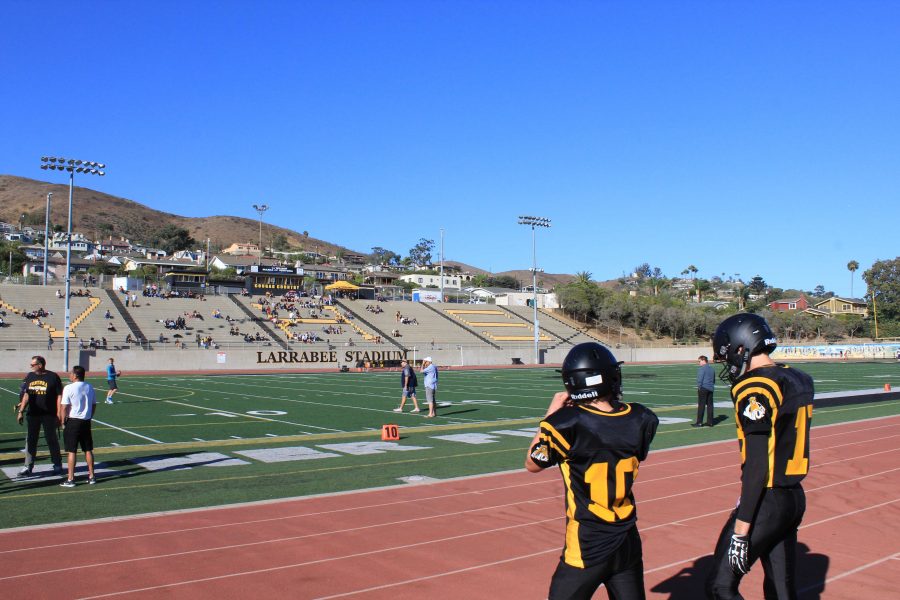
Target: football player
(773,409)
(598,443)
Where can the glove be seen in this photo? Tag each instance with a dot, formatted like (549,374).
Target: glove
(739,554)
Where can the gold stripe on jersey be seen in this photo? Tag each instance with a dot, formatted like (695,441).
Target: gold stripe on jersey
(550,441)
(573,547)
(561,441)
(760,385)
(603,413)
(771,478)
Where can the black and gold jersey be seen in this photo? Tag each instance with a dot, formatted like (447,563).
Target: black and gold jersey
(598,454)
(776,401)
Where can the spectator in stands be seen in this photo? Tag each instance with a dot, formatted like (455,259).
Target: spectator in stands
(3,324)
(108,314)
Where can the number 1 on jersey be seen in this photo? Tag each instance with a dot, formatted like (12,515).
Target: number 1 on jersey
(799,464)
(619,506)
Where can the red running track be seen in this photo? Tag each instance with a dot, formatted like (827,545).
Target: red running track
(495,536)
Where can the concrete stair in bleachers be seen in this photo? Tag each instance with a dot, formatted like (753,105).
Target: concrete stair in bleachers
(559,329)
(434,330)
(495,323)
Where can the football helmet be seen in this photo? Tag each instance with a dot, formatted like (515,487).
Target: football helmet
(591,372)
(737,339)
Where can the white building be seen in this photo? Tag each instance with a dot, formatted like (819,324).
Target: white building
(421,279)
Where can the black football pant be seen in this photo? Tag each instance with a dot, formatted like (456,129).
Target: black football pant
(622,573)
(705,401)
(773,540)
(51,432)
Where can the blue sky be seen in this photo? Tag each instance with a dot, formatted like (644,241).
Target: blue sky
(741,137)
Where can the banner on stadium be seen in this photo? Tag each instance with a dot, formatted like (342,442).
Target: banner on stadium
(838,351)
(426,295)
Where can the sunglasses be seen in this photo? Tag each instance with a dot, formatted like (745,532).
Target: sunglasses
(35,364)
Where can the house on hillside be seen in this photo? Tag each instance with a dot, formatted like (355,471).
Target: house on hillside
(120,246)
(241,263)
(240,249)
(789,304)
(836,305)
(434,281)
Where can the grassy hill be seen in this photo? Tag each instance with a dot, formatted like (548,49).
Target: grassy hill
(98,215)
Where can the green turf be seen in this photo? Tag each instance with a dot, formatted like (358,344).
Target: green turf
(182,415)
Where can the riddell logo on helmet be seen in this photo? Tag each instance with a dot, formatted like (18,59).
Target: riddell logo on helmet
(770,341)
(585,395)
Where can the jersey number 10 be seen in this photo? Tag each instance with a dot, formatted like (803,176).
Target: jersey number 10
(616,506)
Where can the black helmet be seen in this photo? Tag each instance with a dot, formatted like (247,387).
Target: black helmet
(590,372)
(737,339)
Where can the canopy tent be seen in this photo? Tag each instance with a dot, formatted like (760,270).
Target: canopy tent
(342,286)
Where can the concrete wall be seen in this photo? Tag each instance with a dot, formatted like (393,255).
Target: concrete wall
(15,363)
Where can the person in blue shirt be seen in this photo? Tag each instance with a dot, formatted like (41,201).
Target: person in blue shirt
(705,387)
(111,374)
(408,382)
(431,381)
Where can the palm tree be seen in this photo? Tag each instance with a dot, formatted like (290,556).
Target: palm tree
(852,266)
(583,277)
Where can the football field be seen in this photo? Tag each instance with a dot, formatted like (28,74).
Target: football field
(173,442)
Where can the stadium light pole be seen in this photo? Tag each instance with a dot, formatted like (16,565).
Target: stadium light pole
(442,265)
(47,235)
(260,208)
(71,166)
(534,223)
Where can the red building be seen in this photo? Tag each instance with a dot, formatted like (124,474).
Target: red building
(789,304)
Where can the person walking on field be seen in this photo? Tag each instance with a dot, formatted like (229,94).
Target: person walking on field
(41,390)
(76,411)
(705,387)
(598,441)
(773,409)
(431,382)
(409,381)
(111,375)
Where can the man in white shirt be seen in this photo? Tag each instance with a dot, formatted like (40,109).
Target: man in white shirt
(76,411)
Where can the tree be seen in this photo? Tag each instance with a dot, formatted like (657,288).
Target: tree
(819,291)
(758,285)
(690,270)
(852,266)
(420,254)
(280,242)
(701,286)
(383,256)
(883,280)
(657,280)
(583,277)
(172,238)
(642,271)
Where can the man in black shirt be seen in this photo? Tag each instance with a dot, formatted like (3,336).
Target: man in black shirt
(773,409)
(598,443)
(42,390)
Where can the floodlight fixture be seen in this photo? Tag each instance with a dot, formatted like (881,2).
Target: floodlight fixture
(534,222)
(260,208)
(72,166)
